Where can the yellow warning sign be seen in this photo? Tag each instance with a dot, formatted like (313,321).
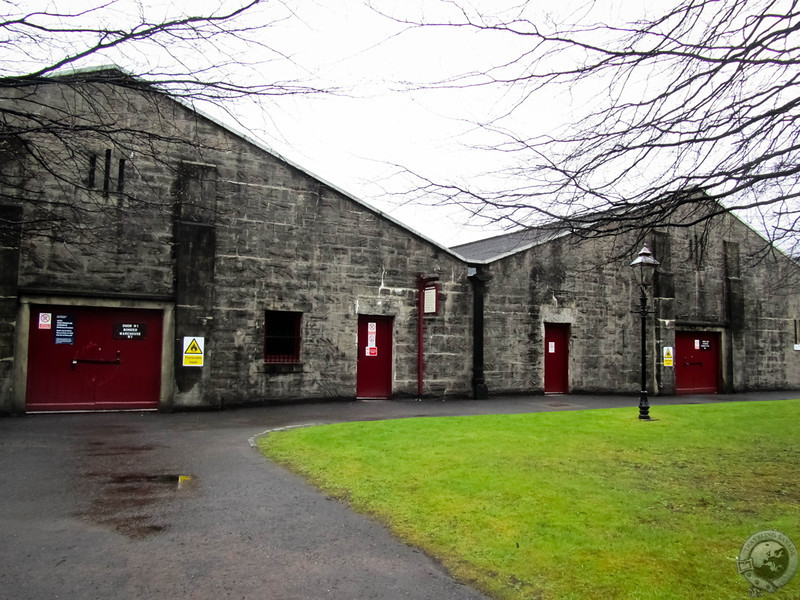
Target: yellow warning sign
(668,362)
(193,351)
(194,348)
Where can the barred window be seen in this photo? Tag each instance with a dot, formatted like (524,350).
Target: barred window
(282,336)
(91,180)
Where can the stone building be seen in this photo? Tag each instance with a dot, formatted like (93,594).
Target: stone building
(151,257)
(559,311)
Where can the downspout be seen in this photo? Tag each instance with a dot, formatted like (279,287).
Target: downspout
(479,278)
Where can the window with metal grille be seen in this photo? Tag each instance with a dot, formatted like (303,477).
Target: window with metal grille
(282,336)
(92,178)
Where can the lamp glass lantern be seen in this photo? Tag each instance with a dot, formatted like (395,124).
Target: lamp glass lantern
(644,267)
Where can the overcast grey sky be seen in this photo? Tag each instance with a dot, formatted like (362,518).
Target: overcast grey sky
(382,116)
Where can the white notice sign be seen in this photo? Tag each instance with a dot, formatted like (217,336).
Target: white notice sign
(430,299)
(372,334)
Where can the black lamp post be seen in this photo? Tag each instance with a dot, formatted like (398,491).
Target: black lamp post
(644,267)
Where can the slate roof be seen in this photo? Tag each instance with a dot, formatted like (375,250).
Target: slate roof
(500,246)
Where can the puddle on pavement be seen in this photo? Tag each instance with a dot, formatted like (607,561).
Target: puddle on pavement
(126,495)
(137,504)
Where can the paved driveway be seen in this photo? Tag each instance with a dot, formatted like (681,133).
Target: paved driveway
(146,505)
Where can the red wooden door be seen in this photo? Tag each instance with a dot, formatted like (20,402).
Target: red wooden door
(90,358)
(374,377)
(556,358)
(696,362)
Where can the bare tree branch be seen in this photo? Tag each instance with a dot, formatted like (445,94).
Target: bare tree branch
(702,98)
(209,59)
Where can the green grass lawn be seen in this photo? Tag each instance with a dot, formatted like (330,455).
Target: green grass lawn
(572,505)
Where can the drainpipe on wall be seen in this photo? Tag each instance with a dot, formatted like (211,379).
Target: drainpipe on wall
(479,278)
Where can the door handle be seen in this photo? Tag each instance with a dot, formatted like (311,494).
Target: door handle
(96,361)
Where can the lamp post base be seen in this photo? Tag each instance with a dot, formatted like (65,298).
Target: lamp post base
(480,391)
(644,406)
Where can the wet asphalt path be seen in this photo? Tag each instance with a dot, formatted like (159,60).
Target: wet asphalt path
(146,505)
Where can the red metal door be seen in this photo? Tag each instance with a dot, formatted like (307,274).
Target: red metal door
(696,362)
(556,358)
(90,358)
(374,377)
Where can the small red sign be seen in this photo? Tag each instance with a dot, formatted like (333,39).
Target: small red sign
(45,319)
(372,351)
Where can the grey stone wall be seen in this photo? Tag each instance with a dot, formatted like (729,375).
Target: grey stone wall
(10,217)
(319,253)
(559,282)
(719,278)
(713,278)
